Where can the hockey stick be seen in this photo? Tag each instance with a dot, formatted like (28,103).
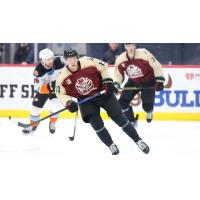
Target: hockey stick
(71,138)
(135,88)
(23,125)
(140,88)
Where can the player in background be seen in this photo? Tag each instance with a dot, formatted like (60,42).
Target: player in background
(45,75)
(142,70)
(83,77)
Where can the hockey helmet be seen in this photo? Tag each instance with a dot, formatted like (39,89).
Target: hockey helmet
(46,54)
(68,53)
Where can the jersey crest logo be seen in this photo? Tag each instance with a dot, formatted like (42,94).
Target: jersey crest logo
(134,71)
(84,85)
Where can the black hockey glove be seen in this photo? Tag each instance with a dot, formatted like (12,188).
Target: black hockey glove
(108,86)
(72,106)
(159,85)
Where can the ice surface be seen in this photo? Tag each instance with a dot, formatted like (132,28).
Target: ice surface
(50,167)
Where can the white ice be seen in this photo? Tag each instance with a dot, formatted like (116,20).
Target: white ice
(50,167)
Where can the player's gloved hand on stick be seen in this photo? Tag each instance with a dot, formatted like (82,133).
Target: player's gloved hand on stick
(159,86)
(72,106)
(108,86)
(117,85)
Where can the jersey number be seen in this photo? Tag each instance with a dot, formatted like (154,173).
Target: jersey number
(36,80)
(58,89)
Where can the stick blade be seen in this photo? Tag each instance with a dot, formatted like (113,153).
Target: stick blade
(20,124)
(71,138)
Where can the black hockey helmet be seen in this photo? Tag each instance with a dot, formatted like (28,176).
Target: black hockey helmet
(70,53)
(130,43)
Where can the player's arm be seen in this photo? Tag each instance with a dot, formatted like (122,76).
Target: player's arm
(118,73)
(39,83)
(158,71)
(107,80)
(65,99)
(60,90)
(102,67)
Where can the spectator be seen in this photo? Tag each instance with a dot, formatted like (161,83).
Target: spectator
(96,50)
(1,52)
(24,54)
(112,53)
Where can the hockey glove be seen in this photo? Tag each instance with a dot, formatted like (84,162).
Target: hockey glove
(72,106)
(159,85)
(108,86)
(117,85)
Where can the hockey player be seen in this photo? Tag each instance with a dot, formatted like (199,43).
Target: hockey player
(143,70)
(45,75)
(83,77)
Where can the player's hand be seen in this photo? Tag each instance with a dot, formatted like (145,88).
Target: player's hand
(108,86)
(117,85)
(159,86)
(72,106)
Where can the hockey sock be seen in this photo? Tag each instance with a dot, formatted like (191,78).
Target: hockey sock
(127,127)
(33,120)
(97,124)
(53,120)
(104,136)
(129,113)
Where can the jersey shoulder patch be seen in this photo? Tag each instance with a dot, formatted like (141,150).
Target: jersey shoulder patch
(35,73)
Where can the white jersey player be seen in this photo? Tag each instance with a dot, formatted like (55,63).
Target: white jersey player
(45,75)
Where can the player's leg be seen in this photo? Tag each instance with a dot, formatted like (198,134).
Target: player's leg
(97,124)
(148,98)
(55,106)
(38,103)
(91,114)
(125,99)
(114,111)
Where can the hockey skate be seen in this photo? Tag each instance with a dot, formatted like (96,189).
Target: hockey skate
(114,150)
(143,146)
(149,117)
(52,127)
(30,129)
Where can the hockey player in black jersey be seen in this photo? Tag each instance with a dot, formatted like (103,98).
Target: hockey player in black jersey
(45,75)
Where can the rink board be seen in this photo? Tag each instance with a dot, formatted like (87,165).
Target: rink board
(142,115)
(181,101)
